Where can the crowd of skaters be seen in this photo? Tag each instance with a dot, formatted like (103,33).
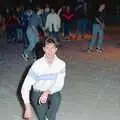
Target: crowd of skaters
(31,25)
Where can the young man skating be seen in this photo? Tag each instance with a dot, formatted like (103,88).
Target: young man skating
(43,84)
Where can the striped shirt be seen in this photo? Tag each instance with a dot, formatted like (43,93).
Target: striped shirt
(43,76)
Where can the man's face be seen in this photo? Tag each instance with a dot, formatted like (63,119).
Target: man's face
(50,50)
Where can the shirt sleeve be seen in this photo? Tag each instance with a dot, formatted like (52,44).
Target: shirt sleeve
(59,83)
(26,87)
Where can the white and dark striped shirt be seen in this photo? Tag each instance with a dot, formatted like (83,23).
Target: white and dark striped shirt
(43,76)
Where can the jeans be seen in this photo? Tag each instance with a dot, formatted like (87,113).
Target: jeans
(67,29)
(19,34)
(25,39)
(33,39)
(48,109)
(82,25)
(97,30)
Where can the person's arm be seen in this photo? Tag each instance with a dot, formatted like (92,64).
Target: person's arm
(25,91)
(26,87)
(71,16)
(28,112)
(100,22)
(59,11)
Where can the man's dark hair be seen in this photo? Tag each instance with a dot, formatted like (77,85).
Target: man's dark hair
(49,40)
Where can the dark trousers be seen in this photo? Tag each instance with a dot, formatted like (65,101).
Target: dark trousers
(67,29)
(48,109)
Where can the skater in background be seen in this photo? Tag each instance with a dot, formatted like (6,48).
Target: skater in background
(32,35)
(98,30)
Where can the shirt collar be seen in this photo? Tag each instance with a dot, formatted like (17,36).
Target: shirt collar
(55,58)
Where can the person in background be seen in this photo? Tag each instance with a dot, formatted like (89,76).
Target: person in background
(81,17)
(26,14)
(19,31)
(60,13)
(45,13)
(11,24)
(67,21)
(33,36)
(53,24)
(45,80)
(98,30)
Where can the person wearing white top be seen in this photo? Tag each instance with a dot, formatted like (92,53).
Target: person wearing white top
(53,24)
(43,84)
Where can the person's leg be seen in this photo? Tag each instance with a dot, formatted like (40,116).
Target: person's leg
(19,34)
(53,105)
(94,36)
(9,33)
(66,29)
(62,28)
(85,24)
(78,27)
(56,36)
(14,33)
(40,109)
(33,39)
(100,39)
(25,39)
(82,27)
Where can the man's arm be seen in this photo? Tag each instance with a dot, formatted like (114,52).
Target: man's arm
(25,91)
(100,22)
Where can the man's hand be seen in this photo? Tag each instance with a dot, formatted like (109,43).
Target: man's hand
(43,98)
(28,112)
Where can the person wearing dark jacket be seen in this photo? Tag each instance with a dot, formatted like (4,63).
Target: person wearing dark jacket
(97,30)
(67,21)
